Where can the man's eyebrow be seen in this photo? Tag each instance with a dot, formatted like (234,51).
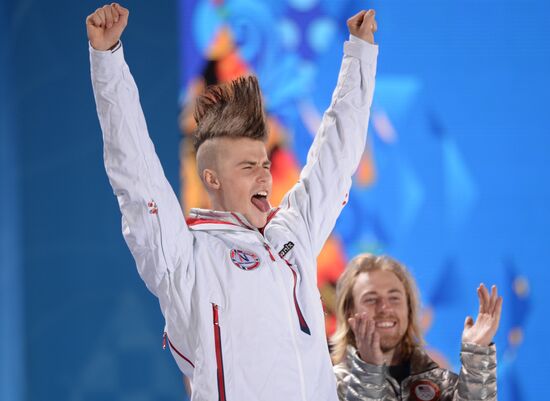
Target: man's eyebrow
(392,291)
(253,163)
(247,162)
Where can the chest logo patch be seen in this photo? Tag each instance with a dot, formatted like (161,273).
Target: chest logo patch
(425,390)
(244,260)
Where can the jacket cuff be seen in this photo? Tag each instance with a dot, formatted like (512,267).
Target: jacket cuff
(103,63)
(361,49)
(477,358)
(479,349)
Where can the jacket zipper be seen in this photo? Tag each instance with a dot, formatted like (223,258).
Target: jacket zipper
(219,358)
(293,336)
(301,320)
(303,324)
(153,209)
(164,338)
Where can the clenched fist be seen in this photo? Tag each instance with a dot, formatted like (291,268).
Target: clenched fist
(105,26)
(363,25)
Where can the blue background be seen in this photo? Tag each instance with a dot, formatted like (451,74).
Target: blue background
(461,196)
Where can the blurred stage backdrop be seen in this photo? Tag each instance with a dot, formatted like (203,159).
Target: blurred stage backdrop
(454,181)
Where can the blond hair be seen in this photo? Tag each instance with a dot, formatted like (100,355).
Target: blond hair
(363,263)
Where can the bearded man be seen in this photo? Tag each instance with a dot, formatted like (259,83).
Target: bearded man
(378,348)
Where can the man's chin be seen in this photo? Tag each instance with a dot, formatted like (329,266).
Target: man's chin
(389,343)
(258,219)
(260,223)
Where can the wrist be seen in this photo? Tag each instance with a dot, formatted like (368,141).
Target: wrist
(367,360)
(114,46)
(104,47)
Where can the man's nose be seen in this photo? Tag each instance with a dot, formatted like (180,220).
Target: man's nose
(383,305)
(264,175)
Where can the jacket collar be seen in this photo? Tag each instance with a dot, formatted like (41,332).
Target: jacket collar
(421,362)
(205,219)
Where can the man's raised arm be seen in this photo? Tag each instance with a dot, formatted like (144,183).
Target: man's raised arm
(153,223)
(478,374)
(325,181)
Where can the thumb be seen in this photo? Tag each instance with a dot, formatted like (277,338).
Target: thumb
(469,322)
(368,18)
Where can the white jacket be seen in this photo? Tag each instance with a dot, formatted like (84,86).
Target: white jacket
(243,313)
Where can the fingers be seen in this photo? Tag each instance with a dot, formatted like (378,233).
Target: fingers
(498,311)
(376,341)
(97,19)
(487,302)
(100,14)
(363,20)
(94,20)
(484,299)
(356,20)
(368,20)
(108,15)
(367,338)
(352,324)
(374,27)
(468,322)
(481,300)
(494,299)
(363,25)
(123,12)
(358,326)
(362,327)
(370,332)
(115,13)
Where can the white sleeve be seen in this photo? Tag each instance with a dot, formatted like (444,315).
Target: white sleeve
(315,202)
(153,224)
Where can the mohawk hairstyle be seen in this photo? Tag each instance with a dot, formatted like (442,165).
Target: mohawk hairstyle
(233,110)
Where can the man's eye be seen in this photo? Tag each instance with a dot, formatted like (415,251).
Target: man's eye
(370,300)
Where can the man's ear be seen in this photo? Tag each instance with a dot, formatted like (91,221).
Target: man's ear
(210,179)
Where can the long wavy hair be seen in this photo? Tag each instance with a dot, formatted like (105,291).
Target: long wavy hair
(363,263)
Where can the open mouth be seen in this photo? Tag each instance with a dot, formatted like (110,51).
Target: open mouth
(386,324)
(259,200)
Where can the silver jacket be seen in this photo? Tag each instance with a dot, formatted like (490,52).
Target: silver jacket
(358,380)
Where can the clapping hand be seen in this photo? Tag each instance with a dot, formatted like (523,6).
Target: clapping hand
(367,339)
(485,327)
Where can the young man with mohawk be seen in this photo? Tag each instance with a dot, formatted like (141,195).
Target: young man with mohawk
(236,284)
